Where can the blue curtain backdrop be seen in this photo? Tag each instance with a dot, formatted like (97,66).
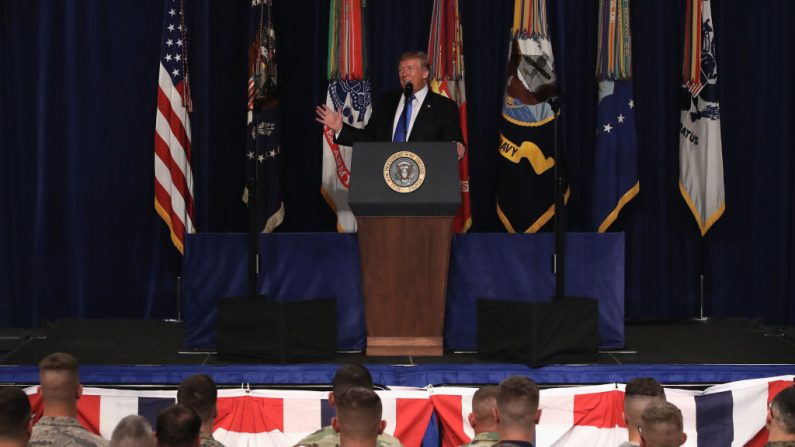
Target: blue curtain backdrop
(79,236)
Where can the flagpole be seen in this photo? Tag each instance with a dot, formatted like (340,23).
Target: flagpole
(560,218)
(702,261)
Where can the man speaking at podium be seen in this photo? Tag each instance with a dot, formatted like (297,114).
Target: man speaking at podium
(414,113)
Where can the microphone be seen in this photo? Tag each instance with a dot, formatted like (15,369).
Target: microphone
(408,90)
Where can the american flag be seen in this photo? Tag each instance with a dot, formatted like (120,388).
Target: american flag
(173,175)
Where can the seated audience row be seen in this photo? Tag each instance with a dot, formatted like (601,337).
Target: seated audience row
(503,415)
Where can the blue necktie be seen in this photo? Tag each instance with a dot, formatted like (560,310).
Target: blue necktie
(401,129)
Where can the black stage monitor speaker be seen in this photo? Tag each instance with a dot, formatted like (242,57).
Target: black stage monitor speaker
(277,332)
(538,333)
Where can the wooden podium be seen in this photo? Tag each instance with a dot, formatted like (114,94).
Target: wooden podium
(404,232)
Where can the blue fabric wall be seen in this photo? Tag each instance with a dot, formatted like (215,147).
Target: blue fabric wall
(79,236)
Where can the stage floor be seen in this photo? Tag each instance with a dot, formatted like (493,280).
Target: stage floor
(729,349)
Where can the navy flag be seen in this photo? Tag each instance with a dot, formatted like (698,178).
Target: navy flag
(526,188)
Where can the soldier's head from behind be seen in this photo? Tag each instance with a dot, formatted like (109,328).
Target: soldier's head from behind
(638,394)
(780,421)
(199,393)
(351,375)
(14,417)
(60,384)
(358,419)
(661,426)
(517,410)
(133,431)
(484,401)
(177,426)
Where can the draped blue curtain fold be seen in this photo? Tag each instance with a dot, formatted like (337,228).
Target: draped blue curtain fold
(79,236)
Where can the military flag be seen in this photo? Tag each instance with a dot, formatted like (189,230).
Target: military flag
(446,55)
(173,172)
(526,190)
(700,152)
(615,179)
(349,93)
(263,151)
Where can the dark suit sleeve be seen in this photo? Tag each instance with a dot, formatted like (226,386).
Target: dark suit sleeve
(451,127)
(373,130)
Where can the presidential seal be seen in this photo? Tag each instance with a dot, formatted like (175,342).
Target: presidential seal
(404,171)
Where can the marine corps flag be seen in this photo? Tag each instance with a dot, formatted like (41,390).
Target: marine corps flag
(615,178)
(348,93)
(700,153)
(446,54)
(263,151)
(526,191)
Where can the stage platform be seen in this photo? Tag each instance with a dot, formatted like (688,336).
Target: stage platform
(141,352)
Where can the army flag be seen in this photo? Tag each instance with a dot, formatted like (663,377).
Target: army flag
(263,150)
(700,152)
(446,55)
(348,93)
(615,178)
(526,189)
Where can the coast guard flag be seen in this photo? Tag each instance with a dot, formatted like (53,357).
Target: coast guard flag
(700,152)
(526,187)
(615,179)
(263,150)
(173,173)
(348,93)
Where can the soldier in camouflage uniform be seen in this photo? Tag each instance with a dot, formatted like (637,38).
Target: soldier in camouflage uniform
(661,426)
(60,388)
(14,417)
(133,431)
(780,420)
(482,417)
(347,377)
(358,418)
(177,425)
(200,393)
(517,412)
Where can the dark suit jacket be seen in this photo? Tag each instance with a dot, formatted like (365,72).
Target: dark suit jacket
(437,120)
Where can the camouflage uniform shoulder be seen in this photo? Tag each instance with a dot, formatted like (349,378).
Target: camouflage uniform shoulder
(325,437)
(484,439)
(209,441)
(780,444)
(387,440)
(65,432)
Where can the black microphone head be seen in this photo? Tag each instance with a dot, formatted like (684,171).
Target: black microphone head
(408,90)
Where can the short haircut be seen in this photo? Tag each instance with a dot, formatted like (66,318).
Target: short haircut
(177,426)
(200,393)
(483,402)
(783,408)
(644,386)
(349,376)
(359,413)
(421,55)
(14,413)
(638,394)
(133,431)
(59,375)
(661,425)
(517,401)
